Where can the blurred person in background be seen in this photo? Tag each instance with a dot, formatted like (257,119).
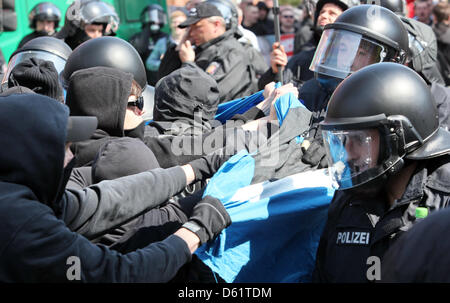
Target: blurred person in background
(441,27)
(422,9)
(154,59)
(153,19)
(44,20)
(87,19)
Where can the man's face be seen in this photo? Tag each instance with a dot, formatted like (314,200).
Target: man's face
(362,149)
(94,30)
(363,58)
(422,11)
(176,31)
(251,15)
(328,14)
(133,114)
(203,31)
(262,14)
(365,55)
(287,18)
(45,25)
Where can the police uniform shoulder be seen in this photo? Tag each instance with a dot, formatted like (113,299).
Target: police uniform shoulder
(439,173)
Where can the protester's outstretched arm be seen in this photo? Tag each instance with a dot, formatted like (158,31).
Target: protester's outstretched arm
(96,209)
(55,254)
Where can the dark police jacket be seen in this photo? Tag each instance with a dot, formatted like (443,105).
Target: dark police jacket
(226,60)
(358,229)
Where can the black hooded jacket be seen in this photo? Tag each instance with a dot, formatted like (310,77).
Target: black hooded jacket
(102,92)
(36,246)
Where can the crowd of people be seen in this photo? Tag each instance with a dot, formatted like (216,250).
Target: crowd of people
(85,176)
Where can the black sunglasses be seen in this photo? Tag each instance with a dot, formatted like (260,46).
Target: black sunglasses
(139,103)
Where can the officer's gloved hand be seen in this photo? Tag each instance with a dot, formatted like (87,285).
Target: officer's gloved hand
(206,166)
(209,217)
(314,153)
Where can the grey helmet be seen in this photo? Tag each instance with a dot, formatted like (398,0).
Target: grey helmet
(83,12)
(44,11)
(396,6)
(228,10)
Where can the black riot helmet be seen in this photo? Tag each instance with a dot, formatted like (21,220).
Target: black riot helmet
(376,118)
(362,35)
(422,54)
(45,48)
(109,52)
(98,12)
(83,12)
(44,11)
(153,15)
(396,6)
(228,11)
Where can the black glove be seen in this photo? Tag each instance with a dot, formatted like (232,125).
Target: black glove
(209,218)
(315,153)
(206,166)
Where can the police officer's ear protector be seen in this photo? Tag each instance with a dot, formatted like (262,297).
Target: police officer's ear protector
(397,131)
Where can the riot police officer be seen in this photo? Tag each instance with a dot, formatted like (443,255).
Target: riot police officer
(390,162)
(326,12)
(88,19)
(361,36)
(44,20)
(44,48)
(153,19)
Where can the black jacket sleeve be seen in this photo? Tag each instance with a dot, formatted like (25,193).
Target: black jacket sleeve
(95,210)
(45,250)
(80,178)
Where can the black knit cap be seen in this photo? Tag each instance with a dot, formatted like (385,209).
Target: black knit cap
(38,75)
(184,93)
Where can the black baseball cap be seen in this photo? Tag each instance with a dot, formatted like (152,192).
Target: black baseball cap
(80,128)
(200,11)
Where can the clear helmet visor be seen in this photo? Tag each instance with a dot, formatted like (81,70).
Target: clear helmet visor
(43,55)
(341,52)
(353,155)
(155,16)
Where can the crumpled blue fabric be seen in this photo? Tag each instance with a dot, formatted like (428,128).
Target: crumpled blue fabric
(274,235)
(272,239)
(227,110)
